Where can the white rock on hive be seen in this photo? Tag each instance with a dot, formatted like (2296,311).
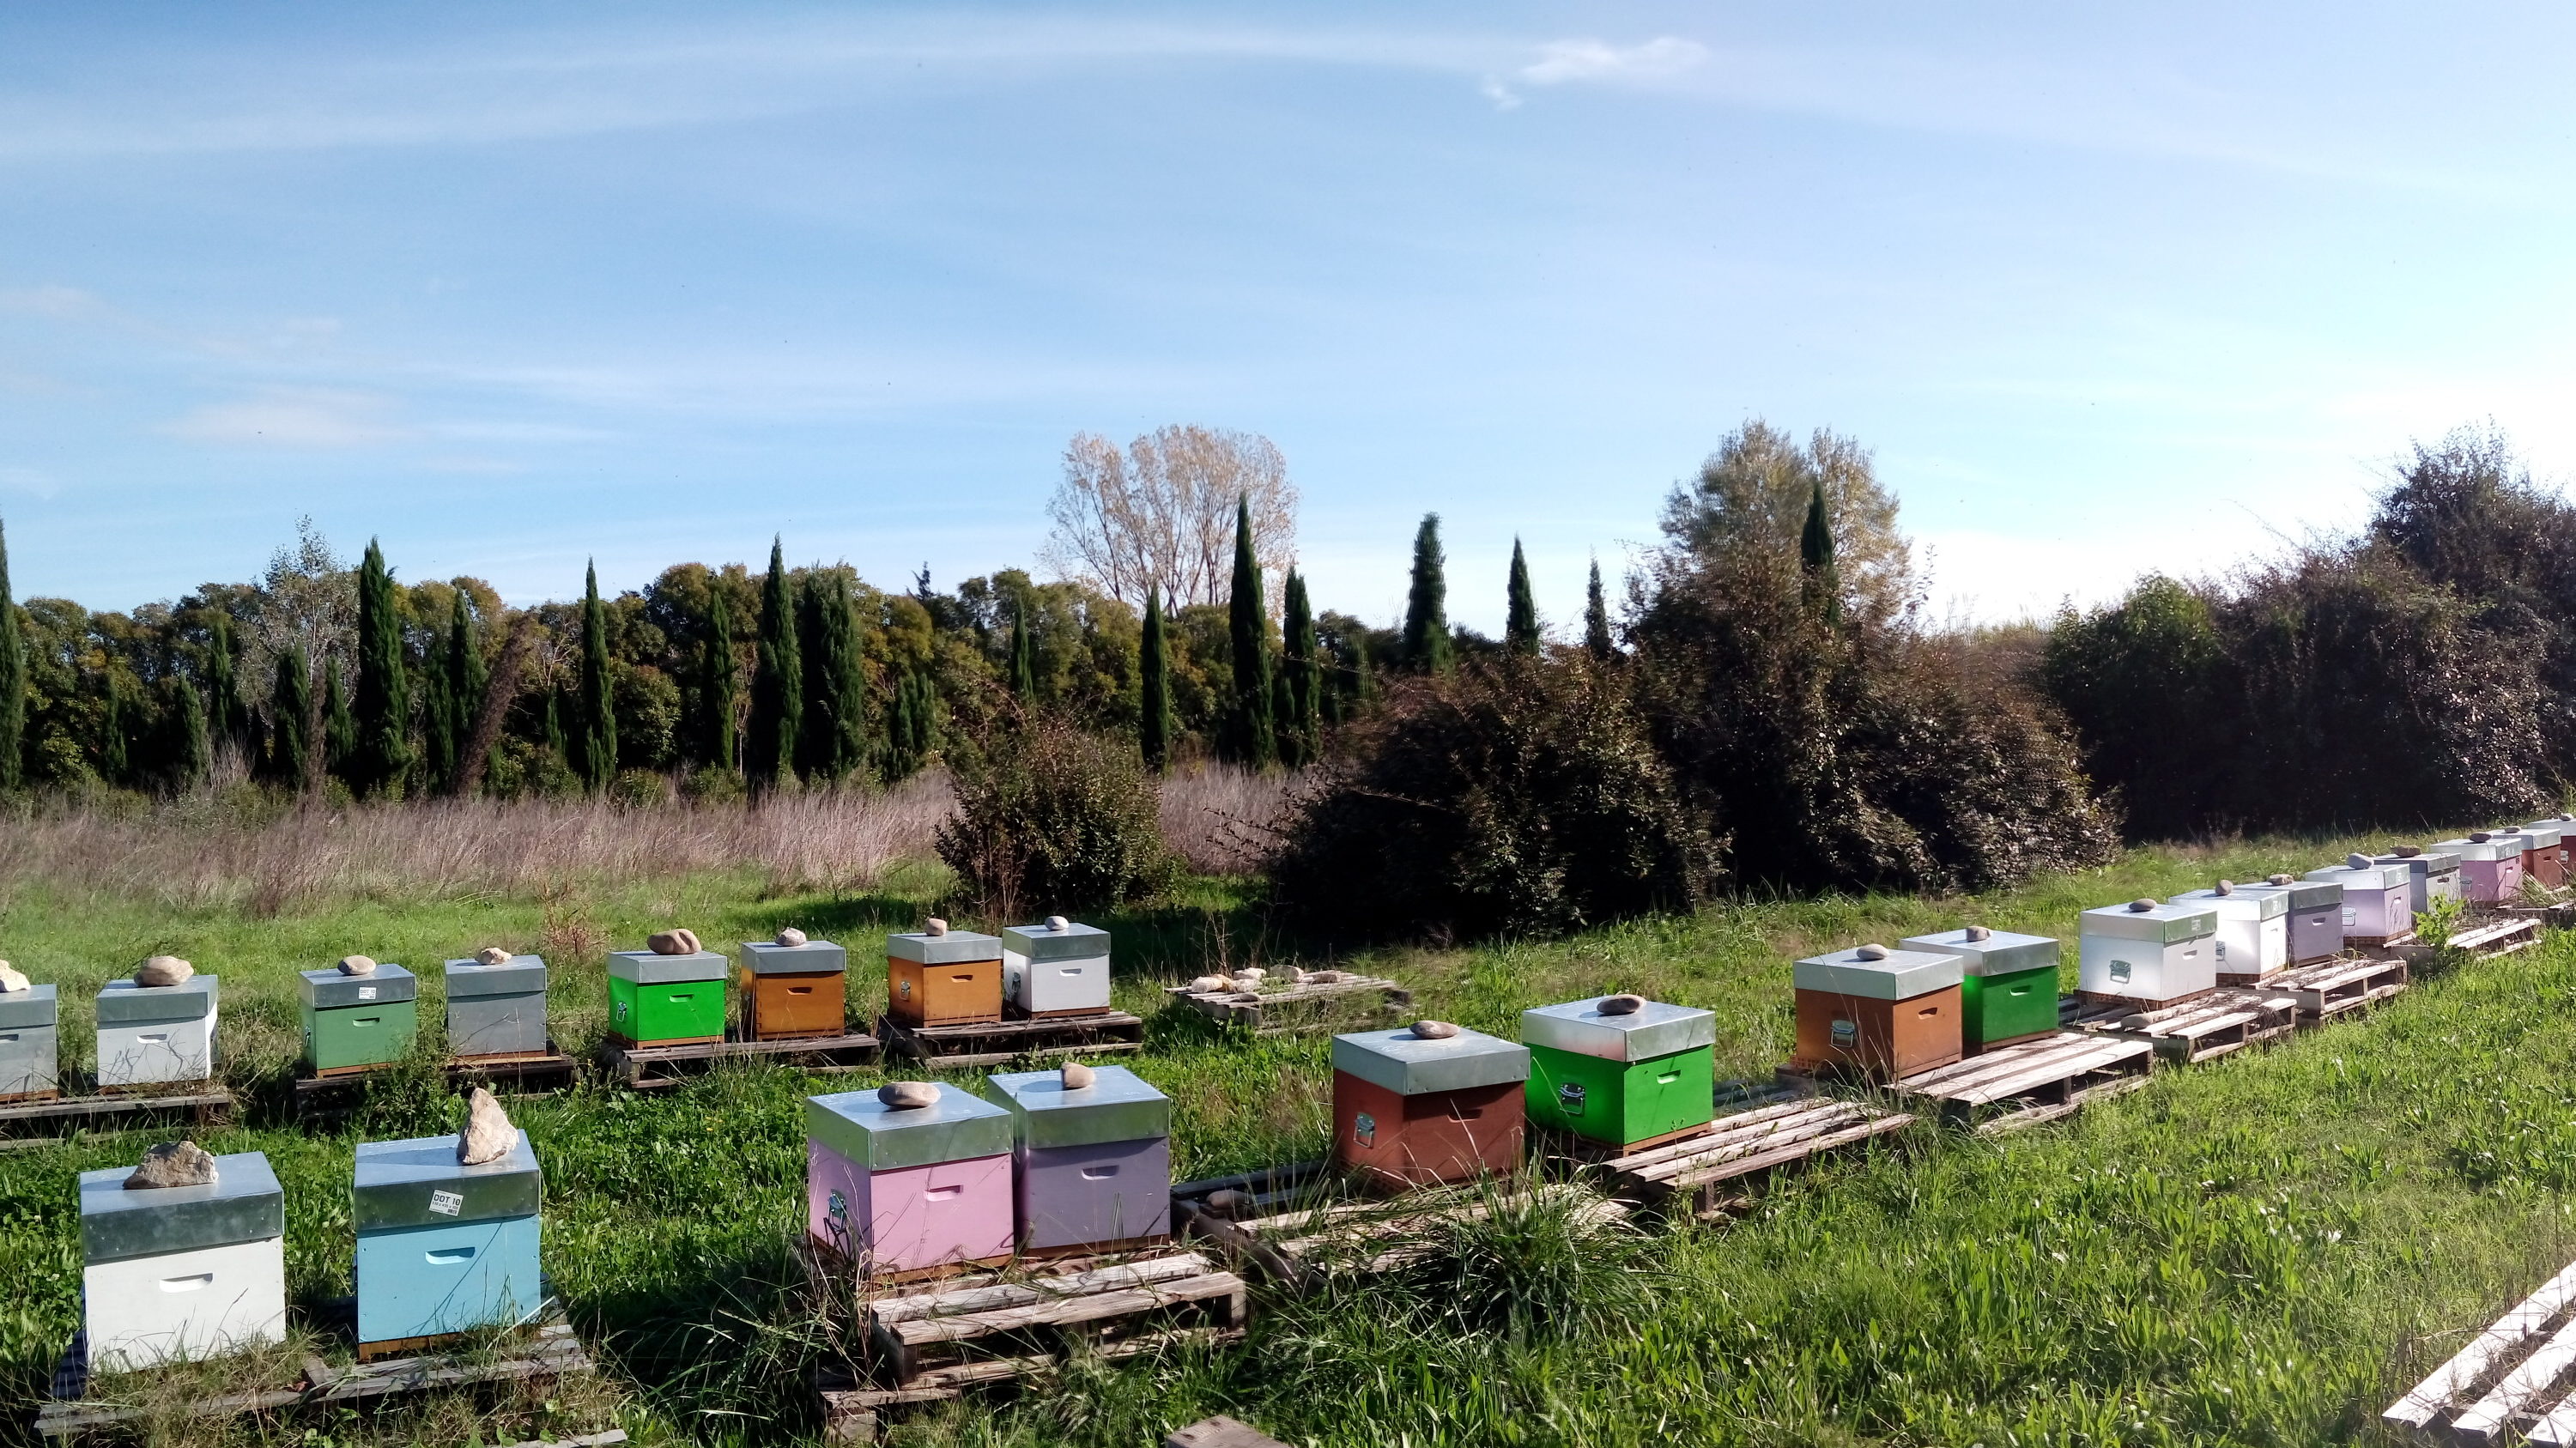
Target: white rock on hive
(488,1135)
(1429,1030)
(357,965)
(1870,952)
(12,978)
(492,955)
(173,1164)
(163,970)
(790,936)
(1076,1076)
(1058,924)
(934,926)
(908,1095)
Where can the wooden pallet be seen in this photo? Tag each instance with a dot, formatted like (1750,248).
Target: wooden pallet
(2215,1025)
(2035,1081)
(549,1351)
(45,1122)
(2506,1382)
(1220,1432)
(2498,938)
(547,1070)
(1304,1220)
(1694,1172)
(651,1068)
(2336,987)
(995,1043)
(1294,1009)
(930,1343)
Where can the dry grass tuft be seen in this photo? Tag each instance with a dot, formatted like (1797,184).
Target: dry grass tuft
(1222,819)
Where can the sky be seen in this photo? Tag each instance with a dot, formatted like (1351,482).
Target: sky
(510,287)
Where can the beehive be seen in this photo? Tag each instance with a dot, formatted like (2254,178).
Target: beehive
(358,1020)
(1412,1106)
(444,1247)
(2253,936)
(1093,1163)
(2544,852)
(665,1000)
(2375,908)
(953,978)
(1626,1077)
(795,991)
(1880,1013)
(2149,953)
(29,1041)
(497,1010)
(2490,867)
(2431,875)
(2565,824)
(182,1272)
(150,1033)
(2007,983)
(1056,968)
(900,1189)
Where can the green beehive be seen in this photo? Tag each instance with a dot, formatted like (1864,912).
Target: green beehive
(663,999)
(2007,985)
(352,1020)
(1637,1072)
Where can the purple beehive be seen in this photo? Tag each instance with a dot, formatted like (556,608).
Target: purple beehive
(2316,917)
(895,1187)
(2378,904)
(1094,1155)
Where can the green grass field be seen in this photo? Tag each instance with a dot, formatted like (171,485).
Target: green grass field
(2264,1250)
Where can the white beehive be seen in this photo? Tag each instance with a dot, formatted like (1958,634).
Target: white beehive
(2143,951)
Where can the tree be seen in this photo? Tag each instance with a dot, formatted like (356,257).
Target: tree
(192,748)
(231,715)
(1154,686)
(832,740)
(383,713)
(911,725)
(716,689)
(1596,617)
(1428,649)
(1300,725)
(1154,516)
(1520,619)
(777,681)
(1251,734)
(1819,583)
(339,728)
(290,707)
(1754,495)
(1024,658)
(466,678)
(598,717)
(13,681)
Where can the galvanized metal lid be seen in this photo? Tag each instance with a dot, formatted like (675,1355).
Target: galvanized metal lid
(419,1183)
(242,1204)
(814,957)
(2001,952)
(2241,902)
(2544,833)
(2423,863)
(123,1003)
(959,1127)
(1074,942)
(22,1010)
(1890,975)
(2365,877)
(329,989)
(1118,1105)
(2165,924)
(2498,847)
(519,975)
(1411,1065)
(1653,1030)
(645,968)
(954,948)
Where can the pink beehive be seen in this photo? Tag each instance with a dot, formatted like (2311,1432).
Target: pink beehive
(2490,867)
(895,1187)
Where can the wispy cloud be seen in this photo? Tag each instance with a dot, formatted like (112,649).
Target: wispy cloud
(293,417)
(31,481)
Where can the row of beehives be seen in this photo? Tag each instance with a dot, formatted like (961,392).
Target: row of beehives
(196,1269)
(362,1013)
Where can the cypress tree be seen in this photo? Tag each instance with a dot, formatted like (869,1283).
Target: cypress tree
(231,716)
(1596,617)
(437,720)
(193,749)
(467,680)
(777,681)
(1024,657)
(290,706)
(1520,619)
(556,744)
(910,725)
(112,752)
(1300,725)
(13,681)
(598,716)
(716,681)
(382,708)
(1820,582)
(831,740)
(1154,686)
(339,727)
(1253,737)
(1428,649)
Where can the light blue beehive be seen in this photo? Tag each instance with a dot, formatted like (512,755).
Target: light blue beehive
(444,1247)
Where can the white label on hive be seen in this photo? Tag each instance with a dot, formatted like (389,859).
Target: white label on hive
(446,1204)
(366,992)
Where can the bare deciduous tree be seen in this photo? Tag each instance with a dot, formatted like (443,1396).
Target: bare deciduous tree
(1753,493)
(1162,512)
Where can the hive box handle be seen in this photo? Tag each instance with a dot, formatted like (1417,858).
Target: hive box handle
(187,1284)
(446,1256)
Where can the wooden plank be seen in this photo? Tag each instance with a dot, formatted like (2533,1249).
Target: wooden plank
(1740,1143)
(2056,1064)
(2035,1115)
(2446,1384)
(2489,1419)
(55,1420)
(78,1108)
(1091,1307)
(1781,1156)
(1220,1432)
(997,1369)
(891,1310)
(1743,1126)
(586,1440)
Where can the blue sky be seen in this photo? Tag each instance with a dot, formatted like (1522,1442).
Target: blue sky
(512,286)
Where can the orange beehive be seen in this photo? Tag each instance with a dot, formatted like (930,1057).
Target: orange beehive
(944,977)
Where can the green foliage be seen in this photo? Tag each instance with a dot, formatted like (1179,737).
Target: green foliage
(594,754)
(716,686)
(381,747)
(290,708)
(13,681)
(1154,687)
(462,678)
(2140,681)
(1302,678)
(193,749)
(1428,648)
(1251,736)
(1819,581)
(1049,819)
(1520,611)
(777,682)
(912,726)
(339,727)
(1024,655)
(1596,618)
(832,730)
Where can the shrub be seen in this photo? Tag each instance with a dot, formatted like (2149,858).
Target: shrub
(641,789)
(1051,818)
(2140,680)
(1524,799)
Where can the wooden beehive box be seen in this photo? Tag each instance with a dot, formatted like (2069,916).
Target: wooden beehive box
(2253,935)
(1628,1079)
(356,1021)
(1093,1163)
(794,992)
(444,1248)
(2375,899)
(1878,1013)
(182,1273)
(1412,1110)
(149,1033)
(2150,953)
(952,978)
(899,1190)
(1056,968)
(30,1025)
(2490,867)
(666,1000)
(497,1010)
(2433,875)
(2007,984)
(2544,853)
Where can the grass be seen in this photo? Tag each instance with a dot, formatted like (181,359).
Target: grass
(2261,1251)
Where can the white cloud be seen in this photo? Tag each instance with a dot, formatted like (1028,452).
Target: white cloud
(28,481)
(292,417)
(1564,61)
